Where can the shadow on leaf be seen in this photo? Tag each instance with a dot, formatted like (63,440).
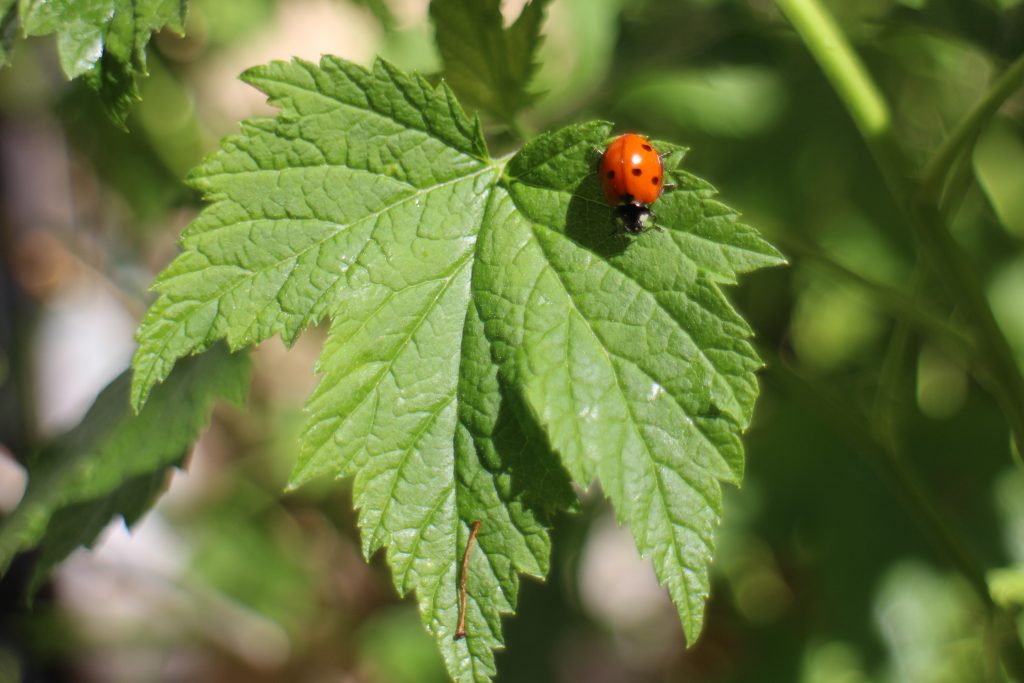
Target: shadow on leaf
(590,222)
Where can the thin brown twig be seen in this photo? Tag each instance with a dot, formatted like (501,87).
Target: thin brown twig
(460,632)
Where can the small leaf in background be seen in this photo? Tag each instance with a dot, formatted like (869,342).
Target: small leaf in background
(929,621)
(103,41)
(115,463)
(488,66)
(247,547)
(576,54)
(81,523)
(1004,296)
(483,317)
(393,647)
(381,11)
(999,152)
(229,23)
(8,29)
(1007,586)
(724,101)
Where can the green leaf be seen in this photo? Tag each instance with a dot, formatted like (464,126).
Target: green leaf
(348,174)
(81,523)
(114,462)
(381,12)
(1006,585)
(483,317)
(488,66)
(8,29)
(632,359)
(103,41)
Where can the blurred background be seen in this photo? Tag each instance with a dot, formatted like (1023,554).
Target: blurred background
(823,572)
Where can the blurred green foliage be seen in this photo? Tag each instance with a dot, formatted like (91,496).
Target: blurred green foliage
(103,42)
(827,568)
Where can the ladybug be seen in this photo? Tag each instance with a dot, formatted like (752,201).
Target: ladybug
(632,176)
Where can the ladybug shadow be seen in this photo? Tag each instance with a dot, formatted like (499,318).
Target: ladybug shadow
(591,223)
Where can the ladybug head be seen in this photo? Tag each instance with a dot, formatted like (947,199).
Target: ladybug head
(633,215)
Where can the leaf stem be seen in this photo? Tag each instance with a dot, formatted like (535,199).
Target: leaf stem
(844,70)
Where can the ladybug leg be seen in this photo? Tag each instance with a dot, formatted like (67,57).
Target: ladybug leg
(653,216)
(665,155)
(666,177)
(668,186)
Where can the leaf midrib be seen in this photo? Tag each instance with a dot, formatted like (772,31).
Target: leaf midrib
(369,389)
(189,240)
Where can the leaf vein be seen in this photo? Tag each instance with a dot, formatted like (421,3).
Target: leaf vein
(286,85)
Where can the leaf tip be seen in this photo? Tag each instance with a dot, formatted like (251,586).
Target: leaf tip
(300,475)
(253,74)
(139,393)
(773,257)
(693,625)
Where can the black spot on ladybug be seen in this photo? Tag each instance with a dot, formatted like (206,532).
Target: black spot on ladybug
(637,171)
(647,148)
(654,180)
(611,174)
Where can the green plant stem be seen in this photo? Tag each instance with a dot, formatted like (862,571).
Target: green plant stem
(897,355)
(1002,378)
(841,66)
(958,182)
(962,139)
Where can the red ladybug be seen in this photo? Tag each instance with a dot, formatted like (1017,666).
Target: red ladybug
(632,175)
